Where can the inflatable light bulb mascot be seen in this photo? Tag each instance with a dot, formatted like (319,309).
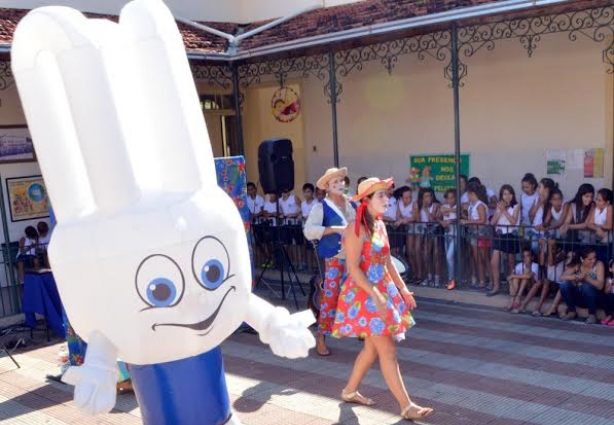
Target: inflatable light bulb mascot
(150,256)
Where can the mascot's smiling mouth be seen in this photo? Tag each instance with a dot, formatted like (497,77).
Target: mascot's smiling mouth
(200,326)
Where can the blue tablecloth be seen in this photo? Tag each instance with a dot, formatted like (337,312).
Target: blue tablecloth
(40,295)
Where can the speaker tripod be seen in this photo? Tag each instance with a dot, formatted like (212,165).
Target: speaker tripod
(280,257)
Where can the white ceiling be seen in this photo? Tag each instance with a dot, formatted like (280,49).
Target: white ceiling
(238,11)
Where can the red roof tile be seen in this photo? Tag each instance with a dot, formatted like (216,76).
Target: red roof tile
(353,15)
(194,39)
(317,22)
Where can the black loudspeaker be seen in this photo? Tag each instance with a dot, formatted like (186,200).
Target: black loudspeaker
(275,166)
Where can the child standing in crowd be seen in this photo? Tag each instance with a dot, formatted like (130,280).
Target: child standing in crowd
(609,296)
(506,218)
(538,213)
(320,194)
(269,232)
(255,202)
(526,273)
(579,210)
(269,209)
(447,220)
(390,215)
(27,252)
(306,206)
(491,196)
(408,211)
(426,242)
(44,237)
(528,198)
(390,218)
(309,202)
(290,213)
(290,208)
(555,218)
(477,214)
(600,222)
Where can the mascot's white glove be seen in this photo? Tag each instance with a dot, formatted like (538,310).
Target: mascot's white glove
(288,335)
(95,381)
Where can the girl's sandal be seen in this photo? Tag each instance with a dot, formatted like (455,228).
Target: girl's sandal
(322,349)
(550,313)
(357,398)
(413,412)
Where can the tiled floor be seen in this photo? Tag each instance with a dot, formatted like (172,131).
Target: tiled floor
(474,365)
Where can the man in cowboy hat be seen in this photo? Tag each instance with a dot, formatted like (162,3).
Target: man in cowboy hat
(326,223)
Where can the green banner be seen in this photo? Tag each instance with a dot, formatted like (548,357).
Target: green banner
(436,171)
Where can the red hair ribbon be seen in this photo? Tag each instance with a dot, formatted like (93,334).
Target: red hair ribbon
(360,216)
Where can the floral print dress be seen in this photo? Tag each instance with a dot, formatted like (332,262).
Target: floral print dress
(357,314)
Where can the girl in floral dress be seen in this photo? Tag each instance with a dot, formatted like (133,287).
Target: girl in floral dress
(374,302)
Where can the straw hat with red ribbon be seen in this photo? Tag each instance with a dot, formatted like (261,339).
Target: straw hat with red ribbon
(329,175)
(366,188)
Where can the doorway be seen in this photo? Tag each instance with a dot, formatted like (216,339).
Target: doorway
(220,118)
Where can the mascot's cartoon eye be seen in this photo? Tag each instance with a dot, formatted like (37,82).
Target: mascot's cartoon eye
(210,263)
(161,292)
(159,281)
(213,274)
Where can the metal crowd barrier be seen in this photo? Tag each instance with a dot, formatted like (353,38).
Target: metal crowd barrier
(429,249)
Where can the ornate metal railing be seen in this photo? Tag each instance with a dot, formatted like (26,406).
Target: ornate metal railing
(596,24)
(213,74)
(6,75)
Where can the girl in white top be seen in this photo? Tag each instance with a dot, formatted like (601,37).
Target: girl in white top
(507,218)
(600,221)
(538,212)
(555,211)
(395,232)
(491,196)
(290,208)
(27,251)
(426,246)
(577,216)
(538,217)
(406,215)
(390,216)
(528,197)
(308,257)
(269,210)
(558,261)
(525,273)
(447,220)
(477,215)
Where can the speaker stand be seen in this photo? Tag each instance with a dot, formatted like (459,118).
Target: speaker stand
(280,253)
(286,267)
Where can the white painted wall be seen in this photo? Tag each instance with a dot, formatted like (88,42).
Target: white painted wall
(513,109)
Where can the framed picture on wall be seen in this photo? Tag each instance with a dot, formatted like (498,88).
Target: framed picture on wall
(16,144)
(28,198)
